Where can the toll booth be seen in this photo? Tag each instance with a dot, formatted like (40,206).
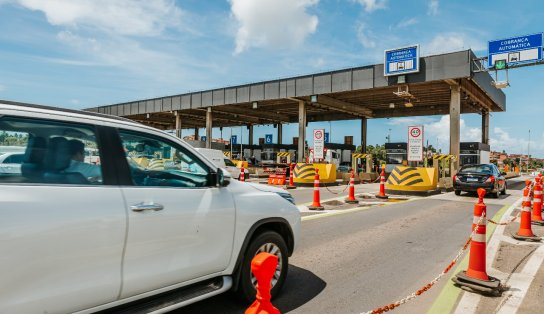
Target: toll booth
(473,153)
(342,152)
(269,153)
(395,155)
(248,152)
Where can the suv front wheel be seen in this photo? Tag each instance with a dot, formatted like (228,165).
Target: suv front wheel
(269,242)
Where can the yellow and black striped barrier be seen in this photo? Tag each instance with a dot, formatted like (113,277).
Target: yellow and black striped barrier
(227,154)
(357,155)
(304,174)
(412,180)
(284,154)
(444,157)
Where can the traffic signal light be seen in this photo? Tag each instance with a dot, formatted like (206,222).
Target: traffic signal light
(500,64)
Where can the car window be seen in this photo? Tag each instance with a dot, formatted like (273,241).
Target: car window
(229,163)
(157,162)
(53,152)
(14,159)
(477,169)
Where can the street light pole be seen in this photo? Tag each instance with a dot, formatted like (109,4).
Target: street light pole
(529,151)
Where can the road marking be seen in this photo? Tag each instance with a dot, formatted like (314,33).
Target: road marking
(352,210)
(521,282)
(447,298)
(329,214)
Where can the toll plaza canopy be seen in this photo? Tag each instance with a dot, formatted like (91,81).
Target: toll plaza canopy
(445,84)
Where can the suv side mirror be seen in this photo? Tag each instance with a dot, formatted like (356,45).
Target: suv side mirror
(223,177)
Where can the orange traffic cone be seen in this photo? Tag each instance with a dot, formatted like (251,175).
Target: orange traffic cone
(263,267)
(242,175)
(475,277)
(382,185)
(291,177)
(525,232)
(316,205)
(351,195)
(536,218)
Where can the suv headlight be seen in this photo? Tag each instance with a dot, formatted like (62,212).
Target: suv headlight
(288,197)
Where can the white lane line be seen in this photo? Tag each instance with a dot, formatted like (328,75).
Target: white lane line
(520,282)
(469,301)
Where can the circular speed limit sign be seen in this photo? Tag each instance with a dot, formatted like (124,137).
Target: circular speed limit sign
(415,132)
(318,135)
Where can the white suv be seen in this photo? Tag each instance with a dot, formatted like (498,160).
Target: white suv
(151,227)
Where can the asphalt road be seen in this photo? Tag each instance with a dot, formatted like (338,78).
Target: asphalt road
(357,261)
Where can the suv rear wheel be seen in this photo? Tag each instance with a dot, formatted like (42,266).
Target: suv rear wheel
(269,242)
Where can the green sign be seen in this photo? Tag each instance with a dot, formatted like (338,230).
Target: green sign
(500,64)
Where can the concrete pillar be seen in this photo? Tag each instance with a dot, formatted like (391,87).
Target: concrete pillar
(301,131)
(455,126)
(197,136)
(178,125)
(485,127)
(363,135)
(280,133)
(250,140)
(209,127)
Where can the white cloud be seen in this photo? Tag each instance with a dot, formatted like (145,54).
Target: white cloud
(448,42)
(319,63)
(124,17)
(2,88)
(432,7)
(272,23)
(372,5)
(365,36)
(125,53)
(502,140)
(407,22)
(437,132)
(405,121)
(74,101)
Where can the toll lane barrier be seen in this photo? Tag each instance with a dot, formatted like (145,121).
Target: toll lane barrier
(412,181)
(275,179)
(304,173)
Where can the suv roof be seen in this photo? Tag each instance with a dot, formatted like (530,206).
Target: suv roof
(65,110)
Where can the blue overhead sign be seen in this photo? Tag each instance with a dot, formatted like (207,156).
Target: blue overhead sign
(515,50)
(268,139)
(401,60)
(203,138)
(233,140)
(326,137)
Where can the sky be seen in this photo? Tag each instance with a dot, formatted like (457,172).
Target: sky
(87,53)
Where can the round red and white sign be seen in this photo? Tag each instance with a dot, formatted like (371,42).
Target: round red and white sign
(415,132)
(318,134)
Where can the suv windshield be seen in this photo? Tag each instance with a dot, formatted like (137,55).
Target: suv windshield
(229,163)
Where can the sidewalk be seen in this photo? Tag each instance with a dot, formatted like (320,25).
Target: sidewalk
(518,264)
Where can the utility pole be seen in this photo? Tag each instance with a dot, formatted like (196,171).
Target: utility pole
(529,151)
(389,136)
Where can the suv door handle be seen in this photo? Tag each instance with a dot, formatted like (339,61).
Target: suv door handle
(142,207)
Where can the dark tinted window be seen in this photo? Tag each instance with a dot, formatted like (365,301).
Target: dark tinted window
(53,152)
(229,163)
(14,159)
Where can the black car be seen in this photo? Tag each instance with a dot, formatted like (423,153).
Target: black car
(486,176)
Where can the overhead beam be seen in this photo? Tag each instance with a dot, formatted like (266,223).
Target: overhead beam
(342,106)
(253,114)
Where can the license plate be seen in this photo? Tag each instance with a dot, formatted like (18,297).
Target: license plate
(472,179)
